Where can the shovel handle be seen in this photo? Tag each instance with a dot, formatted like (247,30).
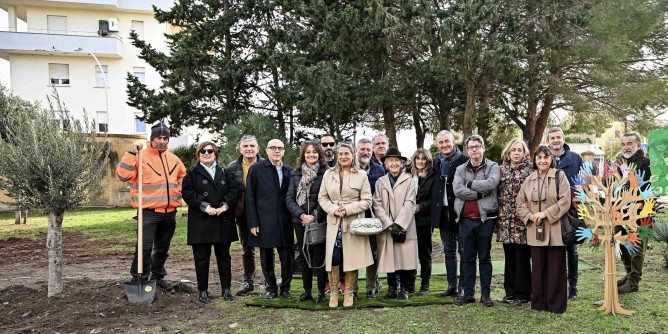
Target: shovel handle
(140,218)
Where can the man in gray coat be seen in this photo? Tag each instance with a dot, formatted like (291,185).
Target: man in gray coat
(477,209)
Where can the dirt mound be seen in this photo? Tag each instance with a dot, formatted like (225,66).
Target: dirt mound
(88,306)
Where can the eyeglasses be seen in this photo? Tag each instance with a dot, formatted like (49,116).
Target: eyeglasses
(474,148)
(332,144)
(206,151)
(276,148)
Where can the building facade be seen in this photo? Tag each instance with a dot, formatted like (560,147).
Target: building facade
(60,42)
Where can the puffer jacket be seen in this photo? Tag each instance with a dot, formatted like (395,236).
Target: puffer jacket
(482,188)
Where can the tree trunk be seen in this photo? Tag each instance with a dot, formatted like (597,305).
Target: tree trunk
(390,123)
(54,248)
(484,117)
(417,123)
(469,111)
(229,94)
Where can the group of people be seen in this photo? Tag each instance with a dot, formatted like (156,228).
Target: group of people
(467,196)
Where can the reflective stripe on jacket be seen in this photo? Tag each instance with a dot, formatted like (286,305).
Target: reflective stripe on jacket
(162,177)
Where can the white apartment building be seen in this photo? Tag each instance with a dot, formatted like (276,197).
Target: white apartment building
(58,42)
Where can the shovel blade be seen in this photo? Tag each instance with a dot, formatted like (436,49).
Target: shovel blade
(140,292)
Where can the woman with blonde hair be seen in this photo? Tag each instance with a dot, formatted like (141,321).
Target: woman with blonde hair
(511,230)
(344,195)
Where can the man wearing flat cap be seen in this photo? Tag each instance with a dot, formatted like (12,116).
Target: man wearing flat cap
(162,175)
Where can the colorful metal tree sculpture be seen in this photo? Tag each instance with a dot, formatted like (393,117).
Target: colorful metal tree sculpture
(610,201)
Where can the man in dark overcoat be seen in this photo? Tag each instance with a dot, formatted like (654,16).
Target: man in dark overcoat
(268,217)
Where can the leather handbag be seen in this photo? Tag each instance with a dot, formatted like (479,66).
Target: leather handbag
(366,226)
(314,233)
(570,223)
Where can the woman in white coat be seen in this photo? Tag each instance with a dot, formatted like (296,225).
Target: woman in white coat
(394,205)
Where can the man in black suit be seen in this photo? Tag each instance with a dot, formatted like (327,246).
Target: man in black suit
(269,221)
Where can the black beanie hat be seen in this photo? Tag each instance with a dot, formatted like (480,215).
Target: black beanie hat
(158,130)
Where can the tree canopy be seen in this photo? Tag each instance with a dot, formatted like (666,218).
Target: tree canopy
(332,66)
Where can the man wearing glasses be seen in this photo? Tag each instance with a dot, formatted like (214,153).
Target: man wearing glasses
(249,149)
(328,147)
(268,217)
(477,210)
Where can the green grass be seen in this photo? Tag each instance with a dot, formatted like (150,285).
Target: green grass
(116,228)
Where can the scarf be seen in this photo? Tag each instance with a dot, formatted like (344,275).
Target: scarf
(211,170)
(447,159)
(308,175)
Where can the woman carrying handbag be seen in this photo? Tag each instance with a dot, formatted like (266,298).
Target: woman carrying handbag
(302,202)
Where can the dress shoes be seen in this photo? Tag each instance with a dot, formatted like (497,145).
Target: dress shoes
(286,294)
(508,300)
(305,296)
(269,295)
(204,297)
(486,300)
(424,290)
(227,294)
(464,299)
(450,292)
(320,297)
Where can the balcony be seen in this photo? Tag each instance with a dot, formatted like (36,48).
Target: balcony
(42,43)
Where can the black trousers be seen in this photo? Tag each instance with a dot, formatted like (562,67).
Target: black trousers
(317,253)
(202,255)
(267,263)
(247,252)
(403,275)
(452,246)
(548,279)
(424,252)
(158,230)
(517,272)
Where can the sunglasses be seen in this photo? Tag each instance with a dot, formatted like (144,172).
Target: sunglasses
(332,144)
(206,151)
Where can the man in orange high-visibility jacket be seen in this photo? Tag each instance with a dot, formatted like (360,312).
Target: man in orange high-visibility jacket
(162,175)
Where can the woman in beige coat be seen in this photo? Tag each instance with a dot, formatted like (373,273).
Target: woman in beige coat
(540,209)
(394,205)
(344,195)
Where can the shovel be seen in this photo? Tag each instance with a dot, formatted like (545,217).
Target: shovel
(140,292)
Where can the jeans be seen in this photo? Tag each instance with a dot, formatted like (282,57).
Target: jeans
(476,237)
(158,230)
(451,246)
(247,252)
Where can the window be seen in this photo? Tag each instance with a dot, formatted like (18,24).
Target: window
(139,73)
(138,27)
(56,24)
(100,76)
(59,74)
(140,126)
(102,121)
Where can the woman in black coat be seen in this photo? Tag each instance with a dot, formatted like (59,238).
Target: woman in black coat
(423,176)
(302,202)
(211,193)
